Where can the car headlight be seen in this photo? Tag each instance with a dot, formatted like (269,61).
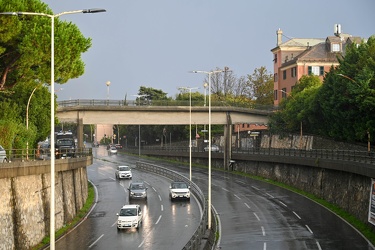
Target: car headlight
(132,193)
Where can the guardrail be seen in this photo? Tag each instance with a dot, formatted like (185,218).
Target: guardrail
(195,241)
(43,154)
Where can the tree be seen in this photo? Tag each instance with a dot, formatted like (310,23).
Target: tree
(25,46)
(260,86)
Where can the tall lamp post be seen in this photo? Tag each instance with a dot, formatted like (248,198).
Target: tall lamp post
(52,90)
(27,119)
(209,73)
(108,83)
(301,134)
(189,88)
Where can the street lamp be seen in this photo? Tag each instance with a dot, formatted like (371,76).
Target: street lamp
(108,83)
(189,88)
(300,139)
(209,73)
(205,85)
(52,90)
(27,119)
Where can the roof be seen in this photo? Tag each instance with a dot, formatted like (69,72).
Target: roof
(130,206)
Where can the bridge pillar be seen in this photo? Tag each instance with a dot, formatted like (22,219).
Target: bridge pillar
(80,132)
(227,141)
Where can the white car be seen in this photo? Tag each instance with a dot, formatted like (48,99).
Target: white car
(123,172)
(130,216)
(112,150)
(214,148)
(3,155)
(179,190)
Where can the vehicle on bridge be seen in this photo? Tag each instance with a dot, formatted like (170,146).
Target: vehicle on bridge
(130,216)
(214,148)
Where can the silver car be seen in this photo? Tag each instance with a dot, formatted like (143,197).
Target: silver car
(3,155)
(137,190)
(123,172)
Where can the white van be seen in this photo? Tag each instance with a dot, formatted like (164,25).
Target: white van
(3,155)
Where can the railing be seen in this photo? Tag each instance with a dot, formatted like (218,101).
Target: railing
(93,102)
(332,154)
(195,241)
(44,154)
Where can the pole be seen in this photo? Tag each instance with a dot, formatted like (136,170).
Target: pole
(139,140)
(52,143)
(190,139)
(209,150)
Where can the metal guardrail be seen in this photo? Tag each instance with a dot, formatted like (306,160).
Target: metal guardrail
(195,241)
(42,154)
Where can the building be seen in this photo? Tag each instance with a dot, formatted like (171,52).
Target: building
(305,56)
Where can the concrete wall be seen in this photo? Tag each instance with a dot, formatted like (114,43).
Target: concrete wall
(25,199)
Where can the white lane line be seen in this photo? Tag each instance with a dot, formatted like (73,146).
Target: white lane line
(263,231)
(297,215)
(225,189)
(319,247)
(225,177)
(115,223)
(122,185)
(96,241)
(255,187)
(256,216)
(282,203)
(264,245)
(113,179)
(158,220)
(309,229)
(242,182)
(140,245)
(237,197)
(270,195)
(154,189)
(162,207)
(101,174)
(159,197)
(247,205)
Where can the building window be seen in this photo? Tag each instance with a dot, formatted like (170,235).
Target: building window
(293,72)
(284,74)
(283,93)
(316,70)
(275,77)
(275,58)
(275,94)
(335,47)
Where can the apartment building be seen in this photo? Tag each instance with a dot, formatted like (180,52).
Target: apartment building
(305,56)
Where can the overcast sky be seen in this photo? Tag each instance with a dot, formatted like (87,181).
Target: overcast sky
(155,43)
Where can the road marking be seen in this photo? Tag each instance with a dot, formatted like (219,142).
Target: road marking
(282,203)
(242,182)
(247,205)
(96,241)
(270,195)
(158,220)
(256,216)
(264,246)
(113,179)
(317,243)
(225,189)
(162,208)
(154,189)
(255,187)
(263,231)
(309,229)
(159,197)
(296,215)
(237,197)
(140,245)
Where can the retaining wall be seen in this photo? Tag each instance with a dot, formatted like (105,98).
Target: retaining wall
(25,199)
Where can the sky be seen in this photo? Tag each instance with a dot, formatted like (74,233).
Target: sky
(155,43)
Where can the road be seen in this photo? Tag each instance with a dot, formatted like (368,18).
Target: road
(252,214)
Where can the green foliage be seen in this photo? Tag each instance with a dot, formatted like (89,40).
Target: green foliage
(260,86)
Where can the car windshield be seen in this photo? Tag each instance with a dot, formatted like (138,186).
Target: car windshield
(124,168)
(179,185)
(137,186)
(64,142)
(128,212)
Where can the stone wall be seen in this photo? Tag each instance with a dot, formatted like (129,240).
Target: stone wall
(25,199)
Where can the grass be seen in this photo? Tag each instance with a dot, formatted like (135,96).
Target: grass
(77,219)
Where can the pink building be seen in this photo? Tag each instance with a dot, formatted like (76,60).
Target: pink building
(305,56)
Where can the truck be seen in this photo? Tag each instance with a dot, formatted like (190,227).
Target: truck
(65,145)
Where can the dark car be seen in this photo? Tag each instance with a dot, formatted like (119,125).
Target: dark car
(137,190)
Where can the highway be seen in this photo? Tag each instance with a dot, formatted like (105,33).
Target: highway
(252,214)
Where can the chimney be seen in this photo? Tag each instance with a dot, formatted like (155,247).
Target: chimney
(279,33)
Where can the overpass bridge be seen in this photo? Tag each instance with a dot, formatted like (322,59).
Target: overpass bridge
(162,113)
(122,112)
